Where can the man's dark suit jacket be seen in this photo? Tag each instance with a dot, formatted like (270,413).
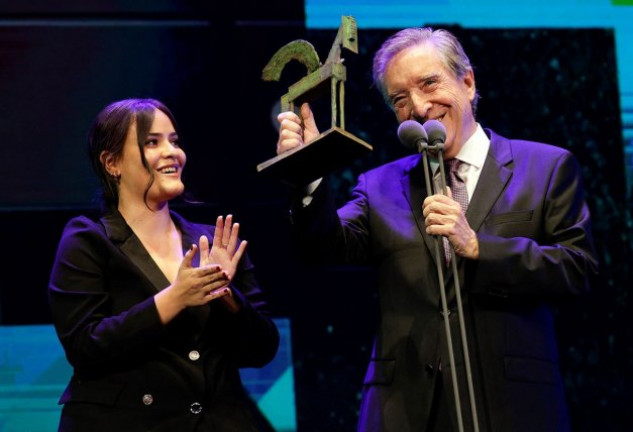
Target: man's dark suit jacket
(535,248)
(132,373)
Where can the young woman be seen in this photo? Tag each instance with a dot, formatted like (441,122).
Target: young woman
(156,314)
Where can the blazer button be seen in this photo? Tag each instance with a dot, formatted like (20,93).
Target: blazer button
(429,368)
(195,408)
(148,399)
(194,355)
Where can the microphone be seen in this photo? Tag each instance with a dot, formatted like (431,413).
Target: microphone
(436,133)
(412,135)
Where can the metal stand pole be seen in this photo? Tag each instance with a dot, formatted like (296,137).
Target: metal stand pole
(460,310)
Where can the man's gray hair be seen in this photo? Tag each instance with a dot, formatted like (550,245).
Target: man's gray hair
(451,53)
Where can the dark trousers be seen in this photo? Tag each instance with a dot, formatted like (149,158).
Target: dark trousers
(440,419)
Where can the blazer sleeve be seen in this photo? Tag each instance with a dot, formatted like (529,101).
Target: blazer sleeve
(559,260)
(325,235)
(81,303)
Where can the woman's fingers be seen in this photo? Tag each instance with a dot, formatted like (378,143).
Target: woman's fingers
(204,250)
(219,232)
(213,274)
(217,293)
(235,229)
(226,232)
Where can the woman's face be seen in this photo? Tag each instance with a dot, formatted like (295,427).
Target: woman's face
(165,159)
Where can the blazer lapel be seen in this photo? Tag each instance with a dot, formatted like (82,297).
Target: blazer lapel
(414,189)
(191,234)
(122,235)
(130,245)
(494,177)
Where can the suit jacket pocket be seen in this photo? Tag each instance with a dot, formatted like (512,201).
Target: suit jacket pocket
(502,218)
(530,370)
(380,372)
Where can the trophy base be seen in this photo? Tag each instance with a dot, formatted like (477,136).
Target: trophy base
(331,150)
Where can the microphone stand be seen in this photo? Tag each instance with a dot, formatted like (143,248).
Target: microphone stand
(438,147)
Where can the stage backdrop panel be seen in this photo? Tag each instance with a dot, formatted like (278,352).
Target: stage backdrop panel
(55,76)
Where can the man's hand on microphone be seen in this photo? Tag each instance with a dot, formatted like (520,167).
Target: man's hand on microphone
(443,216)
(296,131)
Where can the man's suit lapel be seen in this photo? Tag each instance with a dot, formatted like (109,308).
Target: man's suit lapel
(495,175)
(414,189)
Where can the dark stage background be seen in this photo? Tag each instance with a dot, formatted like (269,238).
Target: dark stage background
(59,65)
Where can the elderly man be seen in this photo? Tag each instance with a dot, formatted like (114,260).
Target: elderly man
(522,241)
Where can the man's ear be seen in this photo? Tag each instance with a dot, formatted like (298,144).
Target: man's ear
(469,82)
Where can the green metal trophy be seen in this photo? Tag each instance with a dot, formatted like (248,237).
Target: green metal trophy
(335,147)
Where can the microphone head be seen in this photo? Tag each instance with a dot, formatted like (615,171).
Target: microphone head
(435,130)
(410,133)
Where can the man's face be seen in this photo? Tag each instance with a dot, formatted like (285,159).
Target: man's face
(421,87)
